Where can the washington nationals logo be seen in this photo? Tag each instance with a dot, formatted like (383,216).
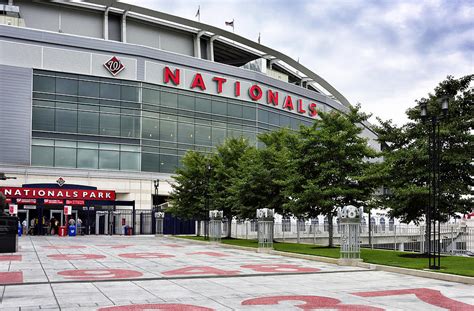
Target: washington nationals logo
(114,66)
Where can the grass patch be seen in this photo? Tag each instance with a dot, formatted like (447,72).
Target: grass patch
(449,264)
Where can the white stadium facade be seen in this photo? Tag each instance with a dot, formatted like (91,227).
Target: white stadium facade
(99,99)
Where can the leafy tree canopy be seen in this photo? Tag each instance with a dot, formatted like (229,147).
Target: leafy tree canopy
(406,154)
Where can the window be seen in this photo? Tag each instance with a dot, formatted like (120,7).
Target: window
(285,121)
(129,93)
(391,224)
(109,124)
(150,129)
(111,91)
(203,135)
(234,110)
(186,133)
(88,122)
(167,130)
(44,84)
(130,126)
(66,121)
(129,161)
(218,135)
(43,119)
(150,162)
(42,156)
(168,163)
(186,102)
(87,158)
(219,108)
(263,116)
(65,157)
(109,159)
(203,105)
(151,96)
(66,86)
(169,100)
(89,89)
(249,113)
(273,118)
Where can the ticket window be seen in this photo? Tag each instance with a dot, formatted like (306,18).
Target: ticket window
(58,215)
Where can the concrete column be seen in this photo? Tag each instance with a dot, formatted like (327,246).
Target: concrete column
(124,26)
(197,45)
(211,47)
(106,24)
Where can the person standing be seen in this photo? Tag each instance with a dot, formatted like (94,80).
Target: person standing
(79,226)
(24,224)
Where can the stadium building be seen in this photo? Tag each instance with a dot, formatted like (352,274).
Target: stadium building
(99,99)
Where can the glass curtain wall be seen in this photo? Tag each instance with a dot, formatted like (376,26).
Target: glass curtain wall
(100,123)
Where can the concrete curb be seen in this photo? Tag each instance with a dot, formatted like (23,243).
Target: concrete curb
(366,265)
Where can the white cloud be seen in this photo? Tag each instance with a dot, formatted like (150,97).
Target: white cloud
(384,54)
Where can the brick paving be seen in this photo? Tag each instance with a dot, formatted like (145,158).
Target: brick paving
(151,273)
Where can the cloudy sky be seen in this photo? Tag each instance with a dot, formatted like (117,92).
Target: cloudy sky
(384,54)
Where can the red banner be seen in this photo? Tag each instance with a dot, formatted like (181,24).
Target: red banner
(26,201)
(52,201)
(75,194)
(75,202)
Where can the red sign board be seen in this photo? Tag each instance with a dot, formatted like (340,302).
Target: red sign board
(67,209)
(46,193)
(52,201)
(75,202)
(13,209)
(26,201)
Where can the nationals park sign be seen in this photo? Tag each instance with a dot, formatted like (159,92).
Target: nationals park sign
(48,193)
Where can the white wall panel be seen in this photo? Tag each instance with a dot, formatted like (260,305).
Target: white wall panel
(66,60)
(20,54)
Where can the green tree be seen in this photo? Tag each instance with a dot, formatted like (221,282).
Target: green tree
(330,162)
(190,190)
(263,172)
(225,169)
(406,157)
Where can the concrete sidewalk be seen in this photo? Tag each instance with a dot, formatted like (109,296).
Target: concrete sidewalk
(89,273)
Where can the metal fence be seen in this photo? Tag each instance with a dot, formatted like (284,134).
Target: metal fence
(456,239)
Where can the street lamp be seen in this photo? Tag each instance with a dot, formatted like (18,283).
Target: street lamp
(432,212)
(156,209)
(156,183)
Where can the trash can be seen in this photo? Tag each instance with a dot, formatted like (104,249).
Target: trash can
(8,234)
(62,231)
(72,231)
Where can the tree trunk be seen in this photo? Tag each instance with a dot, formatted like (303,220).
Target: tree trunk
(331,230)
(198,233)
(370,228)
(229,227)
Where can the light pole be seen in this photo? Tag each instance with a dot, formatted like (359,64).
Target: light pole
(156,184)
(432,212)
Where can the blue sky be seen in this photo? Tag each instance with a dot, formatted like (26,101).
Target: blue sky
(383,54)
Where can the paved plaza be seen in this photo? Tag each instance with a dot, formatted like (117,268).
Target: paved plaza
(159,273)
